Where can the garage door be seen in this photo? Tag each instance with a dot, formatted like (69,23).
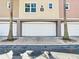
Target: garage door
(38,29)
(73,28)
(4,28)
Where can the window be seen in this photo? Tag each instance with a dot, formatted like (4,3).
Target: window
(27,7)
(67,6)
(50,5)
(8,4)
(33,7)
(30,7)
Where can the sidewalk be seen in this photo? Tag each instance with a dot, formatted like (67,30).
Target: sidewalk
(39,41)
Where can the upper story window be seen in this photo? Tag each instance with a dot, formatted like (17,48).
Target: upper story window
(30,7)
(27,7)
(50,5)
(8,4)
(67,6)
(33,7)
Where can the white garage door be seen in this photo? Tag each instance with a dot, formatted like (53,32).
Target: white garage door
(73,28)
(4,28)
(38,29)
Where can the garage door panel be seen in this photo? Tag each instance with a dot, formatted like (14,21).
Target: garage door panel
(4,28)
(38,29)
(73,28)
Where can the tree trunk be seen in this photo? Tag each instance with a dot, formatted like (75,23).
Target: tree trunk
(10,35)
(66,35)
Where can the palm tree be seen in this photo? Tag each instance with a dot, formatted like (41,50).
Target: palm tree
(10,35)
(66,35)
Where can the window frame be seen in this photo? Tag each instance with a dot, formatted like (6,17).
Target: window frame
(8,4)
(32,7)
(67,5)
(26,7)
(50,6)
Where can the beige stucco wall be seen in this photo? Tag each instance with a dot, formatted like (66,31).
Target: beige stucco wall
(47,14)
(4,10)
(72,12)
(61,8)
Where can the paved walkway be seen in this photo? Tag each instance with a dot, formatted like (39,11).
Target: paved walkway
(39,41)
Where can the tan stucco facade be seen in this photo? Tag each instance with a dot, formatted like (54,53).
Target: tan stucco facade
(72,12)
(19,9)
(47,14)
(4,10)
(55,13)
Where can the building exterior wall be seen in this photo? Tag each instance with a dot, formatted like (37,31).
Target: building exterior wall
(47,14)
(74,9)
(54,13)
(72,12)
(61,9)
(4,10)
